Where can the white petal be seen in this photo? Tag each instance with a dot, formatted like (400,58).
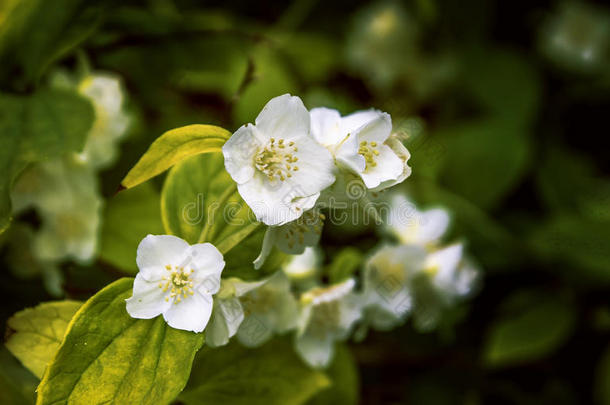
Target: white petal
(275,205)
(446,262)
(148,300)
(303,264)
(268,243)
(192,313)
(254,331)
(348,155)
(326,126)
(316,352)
(315,165)
(399,149)
(157,251)
(389,167)
(377,130)
(432,225)
(216,331)
(206,260)
(353,122)
(239,152)
(284,117)
(228,314)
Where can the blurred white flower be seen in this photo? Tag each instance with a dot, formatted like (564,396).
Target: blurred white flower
(64,193)
(414,227)
(279,168)
(387,294)
(228,311)
(361,143)
(176,280)
(111,122)
(304,265)
(269,309)
(294,237)
(327,314)
(445,278)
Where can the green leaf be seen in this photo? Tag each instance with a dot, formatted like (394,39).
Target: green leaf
(41,126)
(483,160)
(343,373)
(271,78)
(271,374)
(344,264)
(537,325)
(581,242)
(36,333)
(35,33)
(200,202)
(174,146)
(129,217)
(17,385)
(108,356)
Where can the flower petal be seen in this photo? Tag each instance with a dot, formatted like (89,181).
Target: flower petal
(148,300)
(315,168)
(348,155)
(326,126)
(351,123)
(206,260)
(254,331)
(157,251)
(268,243)
(275,204)
(377,130)
(389,167)
(316,352)
(284,117)
(192,313)
(239,152)
(227,316)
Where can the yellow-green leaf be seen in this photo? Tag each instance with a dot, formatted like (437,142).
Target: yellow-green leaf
(40,126)
(129,217)
(174,146)
(233,374)
(36,333)
(109,357)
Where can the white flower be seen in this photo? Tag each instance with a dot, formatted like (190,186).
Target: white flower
(305,265)
(228,311)
(279,168)
(176,280)
(387,278)
(111,122)
(361,143)
(327,315)
(269,309)
(414,227)
(294,237)
(64,193)
(445,277)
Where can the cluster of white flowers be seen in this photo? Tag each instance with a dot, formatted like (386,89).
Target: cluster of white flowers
(177,281)
(292,158)
(283,165)
(64,191)
(416,275)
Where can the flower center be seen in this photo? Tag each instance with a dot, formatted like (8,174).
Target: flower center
(179,283)
(369,151)
(276,159)
(310,221)
(325,317)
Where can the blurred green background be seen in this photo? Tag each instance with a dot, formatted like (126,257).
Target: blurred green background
(503,105)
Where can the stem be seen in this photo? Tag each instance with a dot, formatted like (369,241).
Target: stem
(207,228)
